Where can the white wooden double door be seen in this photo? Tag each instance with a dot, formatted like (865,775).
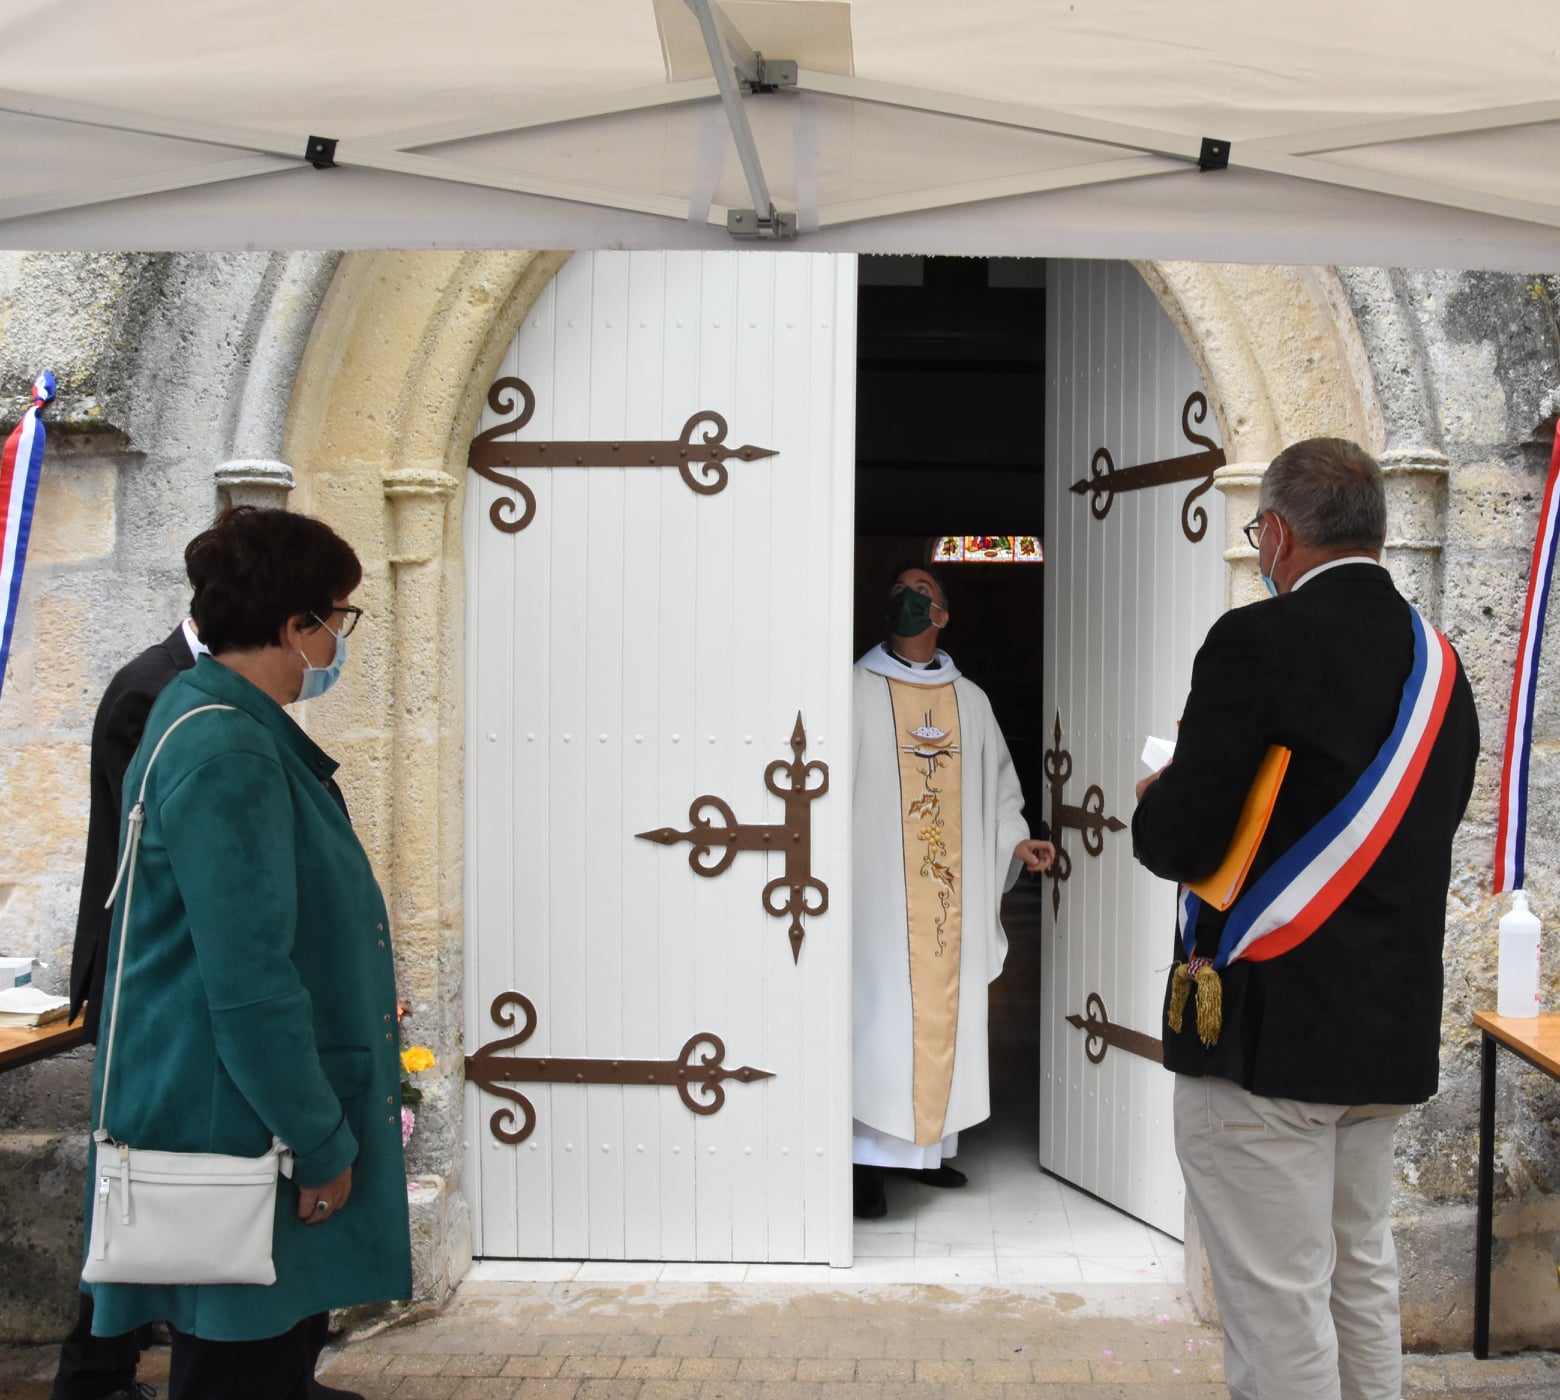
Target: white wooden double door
(639,645)
(636,646)
(1134,579)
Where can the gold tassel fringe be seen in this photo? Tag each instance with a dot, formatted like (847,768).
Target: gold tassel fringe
(1180,988)
(1210,1001)
(1210,1005)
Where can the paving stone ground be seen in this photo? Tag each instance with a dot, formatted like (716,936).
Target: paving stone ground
(585,1341)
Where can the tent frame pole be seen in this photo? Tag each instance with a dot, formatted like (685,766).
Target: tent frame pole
(736,63)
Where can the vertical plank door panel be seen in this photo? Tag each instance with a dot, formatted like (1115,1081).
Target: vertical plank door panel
(651,644)
(1129,598)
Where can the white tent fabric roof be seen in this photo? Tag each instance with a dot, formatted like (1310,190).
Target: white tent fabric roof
(1357,132)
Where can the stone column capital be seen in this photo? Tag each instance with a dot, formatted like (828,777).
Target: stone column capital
(1410,461)
(254,481)
(1235,477)
(417,497)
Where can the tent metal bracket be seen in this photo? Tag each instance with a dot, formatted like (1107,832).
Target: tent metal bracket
(1214,155)
(749,223)
(772,75)
(321,152)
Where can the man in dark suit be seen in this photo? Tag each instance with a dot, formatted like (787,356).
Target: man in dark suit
(1296,1054)
(98,1368)
(116,732)
(92,1368)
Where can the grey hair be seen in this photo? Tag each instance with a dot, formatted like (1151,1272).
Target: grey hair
(1329,491)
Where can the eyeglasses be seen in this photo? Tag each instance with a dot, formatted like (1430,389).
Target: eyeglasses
(351,614)
(1252,530)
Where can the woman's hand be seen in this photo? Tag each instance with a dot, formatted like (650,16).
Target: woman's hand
(319,1203)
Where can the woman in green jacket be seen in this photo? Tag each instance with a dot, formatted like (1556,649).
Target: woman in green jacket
(258,991)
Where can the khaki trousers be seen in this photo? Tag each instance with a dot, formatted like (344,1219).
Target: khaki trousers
(1292,1199)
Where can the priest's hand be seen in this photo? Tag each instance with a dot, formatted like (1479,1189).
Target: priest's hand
(1035,855)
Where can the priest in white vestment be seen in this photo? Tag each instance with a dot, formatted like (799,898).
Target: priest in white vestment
(939,836)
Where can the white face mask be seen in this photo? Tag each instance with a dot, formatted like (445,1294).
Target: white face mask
(318,679)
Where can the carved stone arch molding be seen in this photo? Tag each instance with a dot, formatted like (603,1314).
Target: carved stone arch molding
(386,400)
(1290,352)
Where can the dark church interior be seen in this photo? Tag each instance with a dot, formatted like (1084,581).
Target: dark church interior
(950,418)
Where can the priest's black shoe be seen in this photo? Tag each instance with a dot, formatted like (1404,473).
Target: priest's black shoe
(943,1176)
(867,1189)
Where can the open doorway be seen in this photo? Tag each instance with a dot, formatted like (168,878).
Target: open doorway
(950,418)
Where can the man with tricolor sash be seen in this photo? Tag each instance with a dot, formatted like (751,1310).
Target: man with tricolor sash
(1327,750)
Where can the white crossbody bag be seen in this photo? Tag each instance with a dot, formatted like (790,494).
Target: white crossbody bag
(175,1217)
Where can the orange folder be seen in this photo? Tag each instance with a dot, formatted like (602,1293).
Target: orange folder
(1220,888)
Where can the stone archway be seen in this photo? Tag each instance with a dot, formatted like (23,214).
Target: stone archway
(386,400)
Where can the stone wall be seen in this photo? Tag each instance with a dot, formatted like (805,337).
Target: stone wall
(167,367)
(1469,368)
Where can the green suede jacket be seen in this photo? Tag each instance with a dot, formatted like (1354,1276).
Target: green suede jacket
(258,998)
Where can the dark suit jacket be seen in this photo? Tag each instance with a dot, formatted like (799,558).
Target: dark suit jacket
(1352,1015)
(116,731)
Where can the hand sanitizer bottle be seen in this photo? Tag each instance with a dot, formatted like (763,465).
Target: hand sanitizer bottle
(1516,975)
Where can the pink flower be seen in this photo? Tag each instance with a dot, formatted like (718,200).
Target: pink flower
(408,1122)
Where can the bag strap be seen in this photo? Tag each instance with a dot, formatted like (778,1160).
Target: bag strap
(126,873)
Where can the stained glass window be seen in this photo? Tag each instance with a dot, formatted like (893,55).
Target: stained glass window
(989,549)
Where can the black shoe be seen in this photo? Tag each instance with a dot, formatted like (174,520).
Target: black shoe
(943,1176)
(136,1390)
(869,1200)
(325,1392)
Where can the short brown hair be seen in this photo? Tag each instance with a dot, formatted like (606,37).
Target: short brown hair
(254,569)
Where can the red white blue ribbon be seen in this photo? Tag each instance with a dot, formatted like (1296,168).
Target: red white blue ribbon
(1511,820)
(1304,887)
(19,467)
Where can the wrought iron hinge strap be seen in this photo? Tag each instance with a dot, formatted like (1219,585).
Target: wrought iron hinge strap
(793,836)
(690,1072)
(491,458)
(1104,481)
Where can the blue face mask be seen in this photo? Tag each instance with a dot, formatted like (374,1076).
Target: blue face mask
(1267,579)
(318,679)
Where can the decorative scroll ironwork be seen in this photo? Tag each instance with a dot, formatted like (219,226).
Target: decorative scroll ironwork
(493,459)
(793,836)
(1104,481)
(1103,1033)
(690,1072)
(1089,819)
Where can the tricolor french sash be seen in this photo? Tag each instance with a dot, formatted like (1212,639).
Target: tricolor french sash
(1511,822)
(21,460)
(1298,893)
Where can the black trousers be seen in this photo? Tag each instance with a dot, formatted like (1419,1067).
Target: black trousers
(94,1367)
(272,1368)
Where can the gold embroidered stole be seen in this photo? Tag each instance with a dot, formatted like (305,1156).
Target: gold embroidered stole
(926,725)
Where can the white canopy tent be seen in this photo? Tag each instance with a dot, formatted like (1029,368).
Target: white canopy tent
(1353,133)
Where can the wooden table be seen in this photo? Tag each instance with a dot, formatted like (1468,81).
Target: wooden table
(1535,1039)
(22,1047)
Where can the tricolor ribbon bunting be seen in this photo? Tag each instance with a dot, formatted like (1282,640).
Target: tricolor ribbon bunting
(1511,823)
(19,467)
(1309,881)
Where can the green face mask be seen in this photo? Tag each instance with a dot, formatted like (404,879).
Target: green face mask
(908,613)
